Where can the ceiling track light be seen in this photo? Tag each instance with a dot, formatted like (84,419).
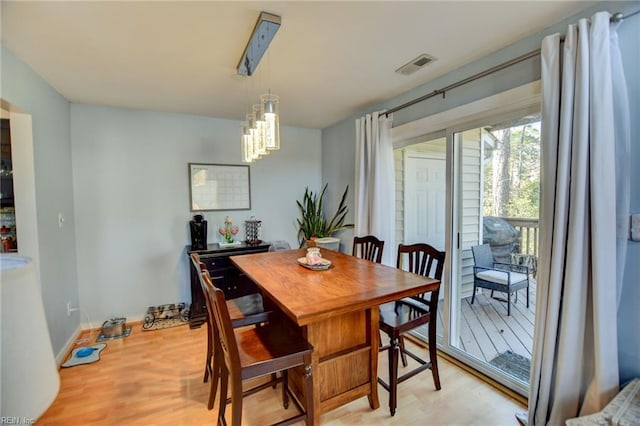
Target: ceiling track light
(264,31)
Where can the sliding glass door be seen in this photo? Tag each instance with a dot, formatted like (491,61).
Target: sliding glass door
(482,179)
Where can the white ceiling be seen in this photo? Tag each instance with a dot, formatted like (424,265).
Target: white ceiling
(328,61)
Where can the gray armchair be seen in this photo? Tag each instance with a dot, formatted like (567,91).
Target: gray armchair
(497,276)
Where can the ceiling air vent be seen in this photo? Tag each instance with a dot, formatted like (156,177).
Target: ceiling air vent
(415,64)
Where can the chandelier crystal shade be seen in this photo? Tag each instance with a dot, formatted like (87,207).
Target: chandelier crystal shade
(261,131)
(247,144)
(260,142)
(269,109)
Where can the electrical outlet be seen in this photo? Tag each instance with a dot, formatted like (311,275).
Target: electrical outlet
(70,309)
(635,227)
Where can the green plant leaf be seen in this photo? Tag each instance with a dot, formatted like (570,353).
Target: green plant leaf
(312,221)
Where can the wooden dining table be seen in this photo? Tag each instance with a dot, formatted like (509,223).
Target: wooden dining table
(337,311)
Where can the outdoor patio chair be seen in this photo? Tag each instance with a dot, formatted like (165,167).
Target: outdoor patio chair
(497,276)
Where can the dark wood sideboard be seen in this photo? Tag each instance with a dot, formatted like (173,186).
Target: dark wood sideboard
(224,274)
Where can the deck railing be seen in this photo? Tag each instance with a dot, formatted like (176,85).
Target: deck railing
(528,234)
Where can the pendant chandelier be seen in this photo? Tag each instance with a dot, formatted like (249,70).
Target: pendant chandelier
(261,130)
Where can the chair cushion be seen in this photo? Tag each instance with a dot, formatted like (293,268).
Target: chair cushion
(247,310)
(501,277)
(396,319)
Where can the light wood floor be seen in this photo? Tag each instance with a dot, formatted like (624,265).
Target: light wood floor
(155,378)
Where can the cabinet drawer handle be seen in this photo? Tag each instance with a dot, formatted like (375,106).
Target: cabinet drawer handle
(219,277)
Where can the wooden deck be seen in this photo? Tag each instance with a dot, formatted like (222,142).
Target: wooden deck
(486,331)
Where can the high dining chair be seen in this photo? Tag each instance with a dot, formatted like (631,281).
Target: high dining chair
(497,276)
(254,352)
(404,315)
(244,311)
(368,247)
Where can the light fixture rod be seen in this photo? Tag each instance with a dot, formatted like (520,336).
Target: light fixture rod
(264,31)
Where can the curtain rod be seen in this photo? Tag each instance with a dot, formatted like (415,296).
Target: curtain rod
(618,17)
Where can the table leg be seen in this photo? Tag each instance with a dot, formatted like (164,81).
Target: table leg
(373,319)
(315,362)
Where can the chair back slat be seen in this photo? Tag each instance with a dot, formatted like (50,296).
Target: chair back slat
(195,258)
(202,269)
(482,255)
(423,259)
(222,329)
(427,261)
(368,247)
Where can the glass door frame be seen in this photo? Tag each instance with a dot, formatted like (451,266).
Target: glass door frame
(451,274)
(454,247)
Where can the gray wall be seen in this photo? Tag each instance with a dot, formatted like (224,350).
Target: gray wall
(131,191)
(629,314)
(338,141)
(54,190)
(123,175)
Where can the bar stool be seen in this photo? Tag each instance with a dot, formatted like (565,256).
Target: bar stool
(404,315)
(256,352)
(244,311)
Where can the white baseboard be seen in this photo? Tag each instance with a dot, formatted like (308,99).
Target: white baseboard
(94,329)
(62,354)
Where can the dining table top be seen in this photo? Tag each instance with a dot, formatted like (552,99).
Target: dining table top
(350,284)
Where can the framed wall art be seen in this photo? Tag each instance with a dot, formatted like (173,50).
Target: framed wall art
(219,187)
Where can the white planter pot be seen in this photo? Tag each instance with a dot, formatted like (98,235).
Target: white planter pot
(329,243)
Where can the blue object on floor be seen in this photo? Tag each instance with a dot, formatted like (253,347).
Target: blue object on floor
(82,352)
(84,355)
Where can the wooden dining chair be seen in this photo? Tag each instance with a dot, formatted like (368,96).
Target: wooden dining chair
(254,352)
(368,247)
(404,315)
(244,311)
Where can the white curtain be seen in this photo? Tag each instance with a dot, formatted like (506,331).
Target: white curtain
(575,358)
(375,182)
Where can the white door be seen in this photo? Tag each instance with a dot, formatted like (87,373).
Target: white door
(425,197)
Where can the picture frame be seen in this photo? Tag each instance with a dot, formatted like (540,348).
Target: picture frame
(215,187)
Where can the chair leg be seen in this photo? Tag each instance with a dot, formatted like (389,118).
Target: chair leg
(224,383)
(236,401)
(285,386)
(527,296)
(393,374)
(403,355)
(207,365)
(308,389)
(473,295)
(215,376)
(433,352)
(508,303)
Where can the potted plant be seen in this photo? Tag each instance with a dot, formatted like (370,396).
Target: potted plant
(313,224)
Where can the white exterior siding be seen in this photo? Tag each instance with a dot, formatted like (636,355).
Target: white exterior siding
(471,206)
(398,159)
